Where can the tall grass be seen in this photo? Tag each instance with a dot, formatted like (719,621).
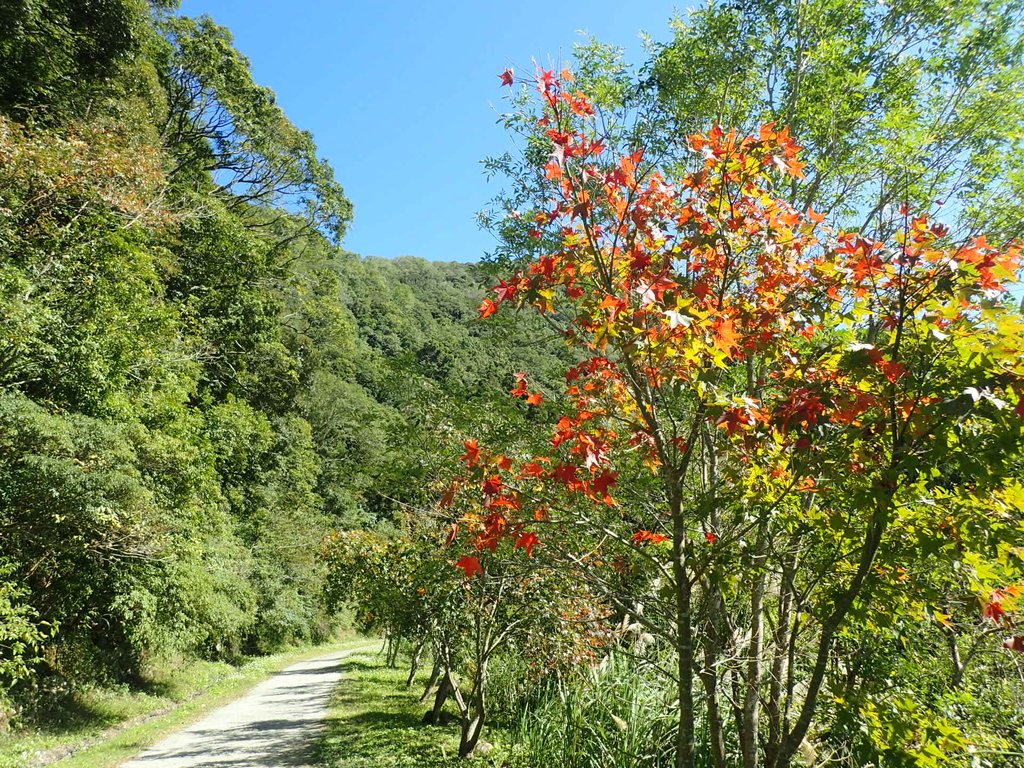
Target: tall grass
(619,715)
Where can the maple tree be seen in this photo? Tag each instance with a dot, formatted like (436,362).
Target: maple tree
(798,429)
(468,614)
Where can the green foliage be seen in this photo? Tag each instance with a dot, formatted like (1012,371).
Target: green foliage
(21,633)
(226,130)
(196,384)
(913,101)
(614,716)
(58,53)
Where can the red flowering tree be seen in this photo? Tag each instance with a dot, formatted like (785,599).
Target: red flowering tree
(799,429)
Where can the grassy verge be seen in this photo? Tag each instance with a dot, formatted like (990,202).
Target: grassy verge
(101,727)
(375,723)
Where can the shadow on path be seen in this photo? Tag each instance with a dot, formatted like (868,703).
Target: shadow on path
(278,724)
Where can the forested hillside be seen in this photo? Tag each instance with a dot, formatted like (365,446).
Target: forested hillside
(196,381)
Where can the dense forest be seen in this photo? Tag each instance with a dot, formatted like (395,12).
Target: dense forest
(196,382)
(716,460)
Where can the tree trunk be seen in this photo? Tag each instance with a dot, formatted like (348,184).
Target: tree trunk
(752,695)
(782,640)
(444,690)
(472,728)
(414,664)
(709,676)
(684,637)
(391,658)
(435,673)
(715,632)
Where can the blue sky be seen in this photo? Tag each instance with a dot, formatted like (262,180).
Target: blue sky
(402,97)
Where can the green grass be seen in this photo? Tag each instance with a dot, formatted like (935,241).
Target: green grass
(102,727)
(375,723)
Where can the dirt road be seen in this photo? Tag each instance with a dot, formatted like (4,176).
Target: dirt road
(276,725)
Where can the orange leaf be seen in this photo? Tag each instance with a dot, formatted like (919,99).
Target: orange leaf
(726,337)
(472,455)
(487,308)
(453,535)
(520,388)
(448,496)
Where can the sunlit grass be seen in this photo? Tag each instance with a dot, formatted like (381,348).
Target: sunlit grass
(376,723)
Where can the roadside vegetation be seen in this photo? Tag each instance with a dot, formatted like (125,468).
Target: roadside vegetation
(197,383)
(376,721)
(716,460)
(95,726)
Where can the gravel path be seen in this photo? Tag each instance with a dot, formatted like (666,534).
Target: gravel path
(276,725)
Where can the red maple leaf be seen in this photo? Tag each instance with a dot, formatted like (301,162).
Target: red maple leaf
(994,610)
(735,419)
(535,398)
(509,502)
(563,431)
(893,371)
(506,291)
(649,537)
(495,526)
(711,537)
(603,482)
(493,486)
(566,473)
(470,565)
(508,76)
(527,540)
(533,469)
(472,455)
